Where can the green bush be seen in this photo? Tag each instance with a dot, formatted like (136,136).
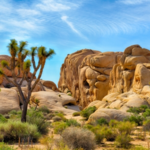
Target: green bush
(136,119)
(123,141)
(61,115)
(44,109)
(102,121)
(113,123)
(11,130)
(125,127)
(72,122)
(2,118)
(146,125)
(56,118)
(87,112)
(76,114)
(138,110)
(146,113)
(4,146)
(79,138)
(59,127)
(41,123)
(102,132)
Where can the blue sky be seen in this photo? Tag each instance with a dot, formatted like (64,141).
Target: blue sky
(71,25)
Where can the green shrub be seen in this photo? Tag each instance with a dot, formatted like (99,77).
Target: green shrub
(123,141)
(59,127)
(146,125)
(102,132)
(2,118)
(4,146)
(76,114)
(56,118)
(14,129)
(87,112)
(138,110)
(138,148)
(44,109)
(125,127)
(146,113)
(113,123)
(136,119)
(61,115)
(79,138)
(42,124)
(13,112)
(72,122)
(102,121)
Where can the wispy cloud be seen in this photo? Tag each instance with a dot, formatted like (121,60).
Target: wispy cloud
(132,2)
(55,5)
(70,24)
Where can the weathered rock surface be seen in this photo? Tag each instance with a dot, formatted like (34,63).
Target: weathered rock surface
(86,74)
(108,114)
(54,100)
(9,100)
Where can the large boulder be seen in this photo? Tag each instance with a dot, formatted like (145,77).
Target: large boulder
(9,100)
(54,100)
(86,74)
(108,114)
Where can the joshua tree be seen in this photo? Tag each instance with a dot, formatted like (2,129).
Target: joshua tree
(18,62)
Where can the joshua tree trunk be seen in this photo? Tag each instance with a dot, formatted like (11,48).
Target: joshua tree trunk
(24,112)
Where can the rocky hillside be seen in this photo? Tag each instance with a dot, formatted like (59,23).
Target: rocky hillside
(116,80)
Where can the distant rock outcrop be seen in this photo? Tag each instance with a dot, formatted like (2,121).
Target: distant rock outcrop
(86,74)
(3,81)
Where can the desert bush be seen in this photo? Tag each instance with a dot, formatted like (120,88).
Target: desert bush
(113,123)
(4,146)
(138,110)
(60,145)
(102,132)
(79,138)
(2,119)
(37,118)
(59,127)
(146,125)
(138,148)
(48,141)
(12,130)
(87,112)
(146,113)
(88,126)
(123,141)
(44,109)
(76,114)
(102,121)
(56,118)
(61,115)
(125,127)
(72,122)
(136,119)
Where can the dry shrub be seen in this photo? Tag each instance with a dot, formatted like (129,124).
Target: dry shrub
(123,141)
(79,138)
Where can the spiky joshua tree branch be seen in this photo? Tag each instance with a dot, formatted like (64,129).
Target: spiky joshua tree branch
(18,60)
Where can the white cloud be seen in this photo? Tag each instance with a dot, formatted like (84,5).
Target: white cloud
(53,5)
(27,12)
(70,24)
(132,2)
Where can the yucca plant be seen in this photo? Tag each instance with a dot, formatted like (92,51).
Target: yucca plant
(18,61)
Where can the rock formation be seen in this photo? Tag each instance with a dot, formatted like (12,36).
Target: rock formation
(86,74)
(3,81)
